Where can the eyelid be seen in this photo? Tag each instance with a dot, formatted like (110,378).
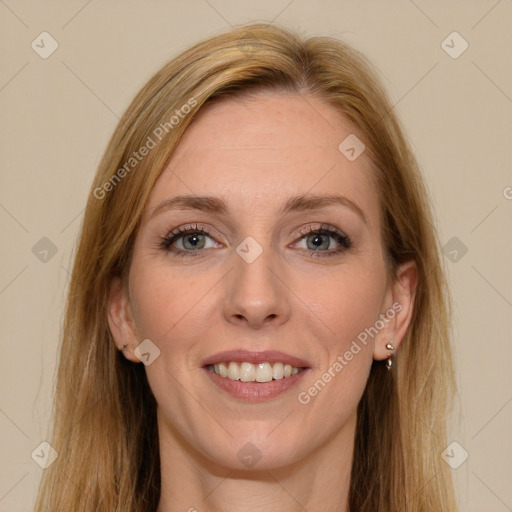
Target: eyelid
(193,226)
(301,231)
(319,226)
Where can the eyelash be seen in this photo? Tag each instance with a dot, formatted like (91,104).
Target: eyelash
(324,229)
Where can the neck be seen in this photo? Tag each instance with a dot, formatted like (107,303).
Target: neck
(191,482)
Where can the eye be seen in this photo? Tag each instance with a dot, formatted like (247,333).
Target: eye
(192,240)
(187,240)
(324,241)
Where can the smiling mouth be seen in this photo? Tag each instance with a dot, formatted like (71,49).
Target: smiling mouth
(248,372)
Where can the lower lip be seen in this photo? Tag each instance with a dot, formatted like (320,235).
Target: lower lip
(256,391)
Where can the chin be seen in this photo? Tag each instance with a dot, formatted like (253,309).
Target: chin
(256,452)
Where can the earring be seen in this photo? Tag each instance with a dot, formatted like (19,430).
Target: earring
(389,362)
(124,348)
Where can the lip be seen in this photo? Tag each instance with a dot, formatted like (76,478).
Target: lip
(255,391)
(254,357)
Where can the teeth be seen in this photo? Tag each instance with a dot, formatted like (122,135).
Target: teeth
(223,370)
(234,371)
(278,371)
(263,372)
(248,372)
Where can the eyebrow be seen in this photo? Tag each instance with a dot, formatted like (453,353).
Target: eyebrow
(301,202)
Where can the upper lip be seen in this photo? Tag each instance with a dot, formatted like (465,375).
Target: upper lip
(254,357)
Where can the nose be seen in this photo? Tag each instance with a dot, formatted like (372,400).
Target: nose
(257,293)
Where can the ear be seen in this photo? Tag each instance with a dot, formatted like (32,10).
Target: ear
(399,307)
(120,320)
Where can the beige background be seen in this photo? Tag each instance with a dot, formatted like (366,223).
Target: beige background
(59,112)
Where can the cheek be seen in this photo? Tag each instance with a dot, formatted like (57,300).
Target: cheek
(351,305)
(162,302)
(348,303)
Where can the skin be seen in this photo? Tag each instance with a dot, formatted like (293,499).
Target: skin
(255,153)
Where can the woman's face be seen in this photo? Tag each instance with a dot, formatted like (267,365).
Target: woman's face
(259,267)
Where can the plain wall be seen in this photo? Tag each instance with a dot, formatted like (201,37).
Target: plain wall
(58,114)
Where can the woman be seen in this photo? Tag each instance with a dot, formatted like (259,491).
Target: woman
(258,236)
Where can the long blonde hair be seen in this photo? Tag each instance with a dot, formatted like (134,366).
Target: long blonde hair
(105,427)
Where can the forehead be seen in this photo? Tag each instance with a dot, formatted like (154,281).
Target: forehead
(263,149)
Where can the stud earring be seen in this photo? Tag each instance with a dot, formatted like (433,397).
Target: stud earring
(389,362)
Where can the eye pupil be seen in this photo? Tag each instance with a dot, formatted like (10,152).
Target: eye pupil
(196,243)
(318,242)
